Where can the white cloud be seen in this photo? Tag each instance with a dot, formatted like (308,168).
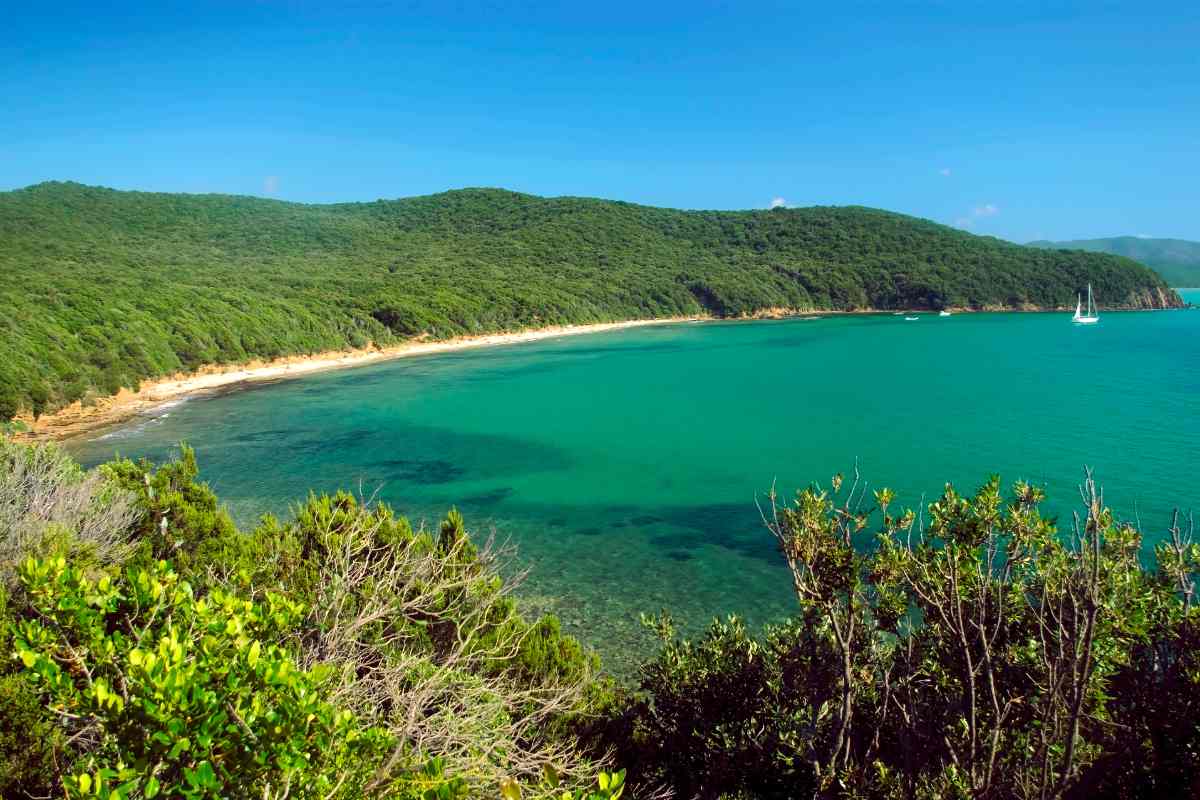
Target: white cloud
(271,184)
(944,172)
(978,212)
(778,202)
(1143,236)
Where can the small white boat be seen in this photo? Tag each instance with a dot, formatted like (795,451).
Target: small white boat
(943,313)
(911,319)
(1091,317)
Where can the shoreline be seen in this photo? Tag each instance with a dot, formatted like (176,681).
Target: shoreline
(76,420)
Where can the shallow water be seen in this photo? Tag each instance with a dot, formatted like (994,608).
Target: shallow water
(625,465)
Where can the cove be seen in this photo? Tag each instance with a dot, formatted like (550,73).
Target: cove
(624,466)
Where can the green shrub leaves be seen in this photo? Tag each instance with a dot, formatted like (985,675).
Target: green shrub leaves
(183,697)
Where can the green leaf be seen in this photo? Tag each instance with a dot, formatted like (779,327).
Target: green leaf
(181,745)
(205,777)
(252,656)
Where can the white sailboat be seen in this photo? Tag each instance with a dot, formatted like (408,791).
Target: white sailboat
(1091,317)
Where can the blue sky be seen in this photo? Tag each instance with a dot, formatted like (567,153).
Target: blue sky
(1055,120)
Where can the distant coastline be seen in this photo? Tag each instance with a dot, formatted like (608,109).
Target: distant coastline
(78,419)
(107,288)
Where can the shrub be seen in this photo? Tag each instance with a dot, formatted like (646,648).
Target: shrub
(39,398)
(10,403)
(182,520)
(339,655)
(47,500)
(981,654)
(426,642)
(31,745)
(173,696)
(730,713)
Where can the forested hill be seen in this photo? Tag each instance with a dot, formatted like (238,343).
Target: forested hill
(1177,260)
(102,288)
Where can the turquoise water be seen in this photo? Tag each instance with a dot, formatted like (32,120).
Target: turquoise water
(625,465)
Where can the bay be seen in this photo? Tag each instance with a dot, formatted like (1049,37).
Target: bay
(625,466)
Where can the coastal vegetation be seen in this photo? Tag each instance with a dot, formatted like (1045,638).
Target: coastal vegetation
(156,650)
(105,288)
(970,648)
(1176,260)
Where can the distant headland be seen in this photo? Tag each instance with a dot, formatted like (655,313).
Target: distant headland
(1177,260)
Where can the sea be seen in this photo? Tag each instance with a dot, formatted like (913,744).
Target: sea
(629,470)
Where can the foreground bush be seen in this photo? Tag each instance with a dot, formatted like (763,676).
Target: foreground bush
(980,653)
(338,654)
(424,638)
(48,501)
(970,649)
(172,695)
(180,519)
(729,713)
(32,745)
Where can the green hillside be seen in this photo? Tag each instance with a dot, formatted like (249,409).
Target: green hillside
(1177,260)
(103,288)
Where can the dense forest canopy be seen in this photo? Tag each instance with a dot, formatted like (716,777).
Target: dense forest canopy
(1177,260)
(104,288)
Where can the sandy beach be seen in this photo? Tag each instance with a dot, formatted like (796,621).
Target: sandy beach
(106,412)
(78,419)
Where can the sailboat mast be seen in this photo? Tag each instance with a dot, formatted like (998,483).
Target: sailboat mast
(1090,316)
